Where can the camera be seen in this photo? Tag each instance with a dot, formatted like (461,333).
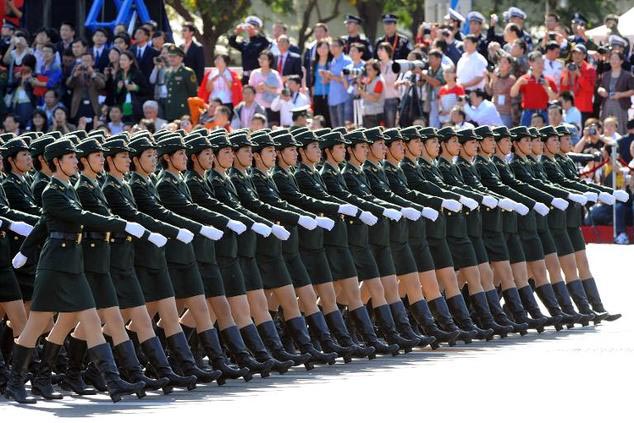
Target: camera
(158,60)
(355,73)
(583,159)
(592,130)
(572,67)
(402,66)
(552,36)
(286,92)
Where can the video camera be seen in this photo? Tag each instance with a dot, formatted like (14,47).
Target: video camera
(584,159)
(402,66)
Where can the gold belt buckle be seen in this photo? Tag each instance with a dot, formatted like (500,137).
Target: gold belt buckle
(79,237)
(128,238)
(107,238)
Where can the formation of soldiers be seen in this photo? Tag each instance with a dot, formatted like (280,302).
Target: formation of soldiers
(149,262)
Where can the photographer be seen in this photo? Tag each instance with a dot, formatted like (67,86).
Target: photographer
(592,140)
(480,110)
(85,83)
(290,98)
(535,89)
(501,80)
(371,88)
(253,43)
(157,77)
(22,98)
(580,77)
(356,52)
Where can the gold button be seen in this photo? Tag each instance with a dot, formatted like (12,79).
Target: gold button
(15,238)
(467,213)
(63,244)
(92,244)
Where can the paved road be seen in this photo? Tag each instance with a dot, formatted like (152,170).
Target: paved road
(581,375)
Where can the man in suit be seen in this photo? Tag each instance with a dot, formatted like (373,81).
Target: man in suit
(279,29)
(67,36)
(143,52)
(287,62)
(194,54)
(100,49)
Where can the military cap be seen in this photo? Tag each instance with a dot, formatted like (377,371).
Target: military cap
(197,143)
(115,145)
(175,50)
(31,135)
(13,147)
(37,146)
(341,129)
(72,137)
(332,139)
(100,136)
(519,132)
(616,41)
(170,145)
(484,131)
(467,134)
(88,146)
(514,12)
(253,20)
(202,131)
(578,18)
(139,145)
(475,17)
(445,133)
(58,149)
(298,130)
(321,132)
(262,140)
(374,134)
(219,141)
(55,134)
(286,140)
(306,137)
(217,131)
(563,130)
(534,132)
(7,136)
(454,15)
(298,112)
(357,137)
(353,19)
(389,18)
(547,132)
(500,132)
(391,135)
(427,133)
(277,132)
(79,133)
(239,140)
(409,133)
(100,130)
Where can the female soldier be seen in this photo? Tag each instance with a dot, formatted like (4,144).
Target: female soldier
(60,284)
(340,260)
(310,243)
(267,270)
(42,172)
(374,286)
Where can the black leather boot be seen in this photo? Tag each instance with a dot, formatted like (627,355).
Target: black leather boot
(4,372)
(234,342)
(547,296)
(592,292)
(6,342)
(254,343)
(385,322)
(157,360)
(404,327)
(73,379)
(101,355)
(131,368)
(299,332)
(565,302)
(440,311)
(514,303)
(194,346)
(283,332)
(500,316)
(15,389)
(462,317)
(531,306)
(481,307)
(41,382)
(338,328)
(578,295)
(179,349)
(270,336)
(211,344)
(422,315)
(319,330)
(364,325)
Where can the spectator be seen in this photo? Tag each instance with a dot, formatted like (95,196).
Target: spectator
(287,62)
(616,88)
(535,89)
(22,98)
(121,41)
(512,32)
(592,140)
(479,39)
(267,83)
(220,82)
(337,92)
(60,121)
(537,120)
(116,125)
(517,16)
(356,55)
(625,143)
(318,80)
(51,102)
(454,47)
(519,52)
(448,96)
(110,73)
(222,119)
(472,66)
(320,32)
(354,36)
(580,77)
(610,127)
(201,112)
(391,96)
(279,29)
(151,112)
(143,52)
(401,44)
(555,115)
(86,83)
(43,38)
(499,88)
(434,78)
(10,124)
(553,66)
(39,122)
(258,121)
(481,111)
(67,36)
(371,90)
(18,49)
(131,90)
(253,43)
(455,21)
(159,38)
(290,98)
(572,115)
(6,34)
(49,73)
(246,109)
(157,78)
(99,49)
(180,82)
(78,48)
(458,119)
(194,53)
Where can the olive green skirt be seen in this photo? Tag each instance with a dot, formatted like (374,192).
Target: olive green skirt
(383,257)
(297,270)
(576,238)
(548,243)
(26,282)
(252,277)
(186,280)
(341,262)
(422,257)
(274,272)
(364,262)
(480,249)
(103,290)
(440,252)
(156,283)
(128,288)
(495,245)
(462,252)
(532,246)
(61,292)
(212,279)
(403,258)
(9,286)
(232,277)
(514,244)
(562,242)
(317,266)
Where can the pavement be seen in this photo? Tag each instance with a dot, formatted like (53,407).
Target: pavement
(579,375)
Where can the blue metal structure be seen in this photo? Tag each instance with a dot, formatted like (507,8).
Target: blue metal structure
(127,10)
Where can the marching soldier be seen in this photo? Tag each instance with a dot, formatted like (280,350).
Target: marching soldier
(181,84)
(42,171)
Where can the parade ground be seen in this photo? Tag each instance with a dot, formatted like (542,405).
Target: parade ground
(580,375)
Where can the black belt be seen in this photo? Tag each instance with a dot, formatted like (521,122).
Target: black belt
(68,236)
(102,236)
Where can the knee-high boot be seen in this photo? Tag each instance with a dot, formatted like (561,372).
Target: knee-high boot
(319,330)
(233,340)
(514,302)
(531,306)
(194,346)
(461,314)
(270,336)
(385,322)
(365,327)
(131,368)
(41,382)
(500,316)
(481,307)
(15,389)
(338,328)
(578,295)
(564,300)
(101,355)
(254,342)
(159,363)
(211,344)
(592,292)
(73,379)
(299,332)
(425,320)
(179,349)
(404,327)
(440,311)
(4,373)
(547,296)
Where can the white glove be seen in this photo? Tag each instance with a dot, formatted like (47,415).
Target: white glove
(325,223)
(1,223)
(506,204)
(157,239)
(261,228)
(560,203)
(429,213)
(368,218)
(21,228)
(307,222)
(236,226)
(541,208)
(521,209)
(410,213)
(621,196)
(18,261)
(185,236)
(134,229)
(451,205)
(348,209)
(591,196)
(211,233)
(607,198)
(489,202)
(469,202)
(393,214)
(578,198)
(280,232)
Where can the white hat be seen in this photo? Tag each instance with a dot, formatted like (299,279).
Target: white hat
(254,20)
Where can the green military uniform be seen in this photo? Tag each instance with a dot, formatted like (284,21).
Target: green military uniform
(181,83)
(40,180)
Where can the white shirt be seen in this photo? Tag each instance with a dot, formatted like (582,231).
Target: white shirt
(553,68)
(471,66)
(285,107)
(484,114)
(221,89)
(573,117)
